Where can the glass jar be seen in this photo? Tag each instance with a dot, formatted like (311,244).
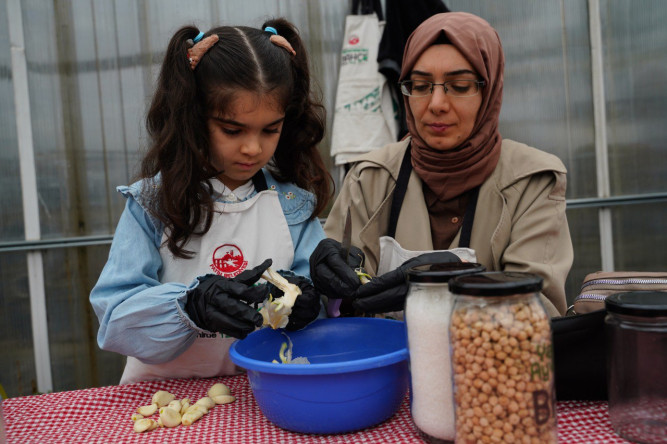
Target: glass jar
(428,308)
(502,360)
(636,327)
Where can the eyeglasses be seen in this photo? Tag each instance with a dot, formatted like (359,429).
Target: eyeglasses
(454,88)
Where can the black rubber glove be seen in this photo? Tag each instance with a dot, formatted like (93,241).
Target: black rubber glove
(333,274)
(223,305)
(307,305)
(387,292)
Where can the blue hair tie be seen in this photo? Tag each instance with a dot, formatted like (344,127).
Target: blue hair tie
(198,38)
(271,29)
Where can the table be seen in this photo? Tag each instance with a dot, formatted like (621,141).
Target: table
(103,415)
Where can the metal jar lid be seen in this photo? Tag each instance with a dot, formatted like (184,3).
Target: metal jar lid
(496,283)
(650,304)
(441,272)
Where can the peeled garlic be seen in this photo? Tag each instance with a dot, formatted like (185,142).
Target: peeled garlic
(206,402)
(191,416)
(285,353)
(170,417)
(162,398)
(137,416)
(218,389)
(223,399)
(185,403)
(144,425)
(276,311)
(147,410)
(175,404)
(197,407)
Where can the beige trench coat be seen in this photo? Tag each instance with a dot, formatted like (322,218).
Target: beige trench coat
(520,222)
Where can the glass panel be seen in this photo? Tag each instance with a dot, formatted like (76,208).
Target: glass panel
(585,233)
(640,237)
(76,360)
(547,88)
(11,208)
(635,66)
(17,360)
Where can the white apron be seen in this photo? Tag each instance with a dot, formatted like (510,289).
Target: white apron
(242,237)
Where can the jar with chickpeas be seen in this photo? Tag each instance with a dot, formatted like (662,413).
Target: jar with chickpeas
(502,360)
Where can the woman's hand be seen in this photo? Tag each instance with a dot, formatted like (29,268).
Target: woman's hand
(332,273)
(387,292)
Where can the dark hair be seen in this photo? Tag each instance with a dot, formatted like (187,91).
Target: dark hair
(243,59)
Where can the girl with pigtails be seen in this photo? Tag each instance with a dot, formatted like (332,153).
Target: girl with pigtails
(231,184)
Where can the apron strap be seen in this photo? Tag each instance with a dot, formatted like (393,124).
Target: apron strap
(399,192)
(259,181)
(399,195)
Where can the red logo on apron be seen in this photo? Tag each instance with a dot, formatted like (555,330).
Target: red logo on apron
(353,40)
(228,261)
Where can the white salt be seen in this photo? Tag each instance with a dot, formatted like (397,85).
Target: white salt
(427,313)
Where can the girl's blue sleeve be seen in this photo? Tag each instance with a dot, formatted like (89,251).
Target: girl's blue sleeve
(305,236)
(139,316)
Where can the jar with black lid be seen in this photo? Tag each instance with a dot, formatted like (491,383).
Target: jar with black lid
(636,328)
(502,359)
(428,308)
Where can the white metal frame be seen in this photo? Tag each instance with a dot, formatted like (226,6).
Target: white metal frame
(600,119)
(40,334)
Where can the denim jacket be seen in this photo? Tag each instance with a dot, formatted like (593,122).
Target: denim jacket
(142,317)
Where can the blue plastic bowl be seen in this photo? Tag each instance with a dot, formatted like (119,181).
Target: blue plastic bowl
(357,377)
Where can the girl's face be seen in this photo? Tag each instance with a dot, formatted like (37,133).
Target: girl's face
(244,138)
(443,121)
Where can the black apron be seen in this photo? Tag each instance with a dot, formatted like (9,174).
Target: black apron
(399,195)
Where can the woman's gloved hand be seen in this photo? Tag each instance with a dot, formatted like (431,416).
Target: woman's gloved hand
(333,274)
(307,305)
(387,292)
(223,305)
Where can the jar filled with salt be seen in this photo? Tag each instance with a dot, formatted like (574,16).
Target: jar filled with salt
(428,308)
(502,359)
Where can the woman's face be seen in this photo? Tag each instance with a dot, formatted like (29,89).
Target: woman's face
(443,121)
(244,138)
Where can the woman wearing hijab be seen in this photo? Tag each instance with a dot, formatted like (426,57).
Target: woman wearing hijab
(452,184)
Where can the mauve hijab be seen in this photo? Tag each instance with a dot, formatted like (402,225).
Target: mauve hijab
(450,173)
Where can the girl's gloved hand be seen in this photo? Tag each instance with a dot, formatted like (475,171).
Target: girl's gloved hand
(307,305)
(333,274)
(387,292)
(224,305)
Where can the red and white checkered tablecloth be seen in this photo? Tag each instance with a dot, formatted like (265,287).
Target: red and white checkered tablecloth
(103,415)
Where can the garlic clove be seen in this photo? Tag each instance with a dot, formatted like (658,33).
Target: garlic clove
(185,404)
(162,398)
(224,399)
(170,417)
(136,416)
(206,402)
(144,425)
(218,389)
(175,404)
(197,407)
(191,416)
(147,410)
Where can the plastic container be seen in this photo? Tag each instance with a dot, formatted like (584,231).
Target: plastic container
(502,358)
(636,327)
(358,374)
(428,307)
